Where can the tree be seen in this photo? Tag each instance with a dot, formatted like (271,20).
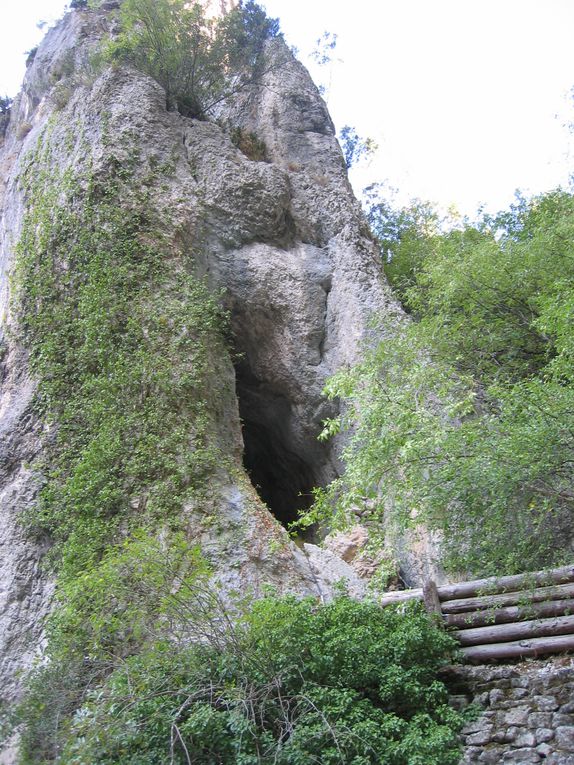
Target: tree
(354,147)
(324,46)
(198,61)
(465,418)
(402,234)
(5,111)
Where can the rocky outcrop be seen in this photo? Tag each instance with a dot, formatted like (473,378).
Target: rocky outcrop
(25,589)
(286,241)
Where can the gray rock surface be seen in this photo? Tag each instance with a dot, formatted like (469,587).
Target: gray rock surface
(286,240)
(24,587)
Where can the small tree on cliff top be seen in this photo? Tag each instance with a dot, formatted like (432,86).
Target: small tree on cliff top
(199,61)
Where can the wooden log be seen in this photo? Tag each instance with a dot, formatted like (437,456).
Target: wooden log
(478,586)
(500,633)
(400,596)
(519,648)
(506,583)
(431,599)
(509,614)
(557,592)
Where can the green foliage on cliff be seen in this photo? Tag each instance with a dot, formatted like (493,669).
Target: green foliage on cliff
(147,664)
(291,682)
(354,147)
(140,589)
(144,663)
(464,420)
(122,339)
(199,61)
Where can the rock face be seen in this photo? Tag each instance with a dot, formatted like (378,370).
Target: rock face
(286,241)
(24,589)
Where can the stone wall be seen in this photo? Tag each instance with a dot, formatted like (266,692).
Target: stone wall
(528,712)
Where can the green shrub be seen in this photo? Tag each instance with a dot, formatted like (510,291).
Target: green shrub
(5,111)
(31,55)
(197,60)
(292,683)
(249,144)
(354,147)
(130,598)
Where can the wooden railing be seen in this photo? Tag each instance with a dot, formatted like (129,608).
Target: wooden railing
(503,617)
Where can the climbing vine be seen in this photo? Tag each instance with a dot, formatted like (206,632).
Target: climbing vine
(119,332)
(122,337)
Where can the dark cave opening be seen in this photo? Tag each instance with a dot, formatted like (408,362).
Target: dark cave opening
(283,461)
(282,479)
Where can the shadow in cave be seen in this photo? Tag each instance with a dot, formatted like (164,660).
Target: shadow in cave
(283,471)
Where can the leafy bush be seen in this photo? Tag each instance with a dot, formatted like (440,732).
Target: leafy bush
(464,419)
(5,105)
(31,55)
(248,143)
(292,683)
(147,664)
(140,589)
(197,60)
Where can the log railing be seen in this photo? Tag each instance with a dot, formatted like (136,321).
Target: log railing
(503,617)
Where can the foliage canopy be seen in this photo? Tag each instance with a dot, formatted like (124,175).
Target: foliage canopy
(464,420)
(354,147)
(199,61)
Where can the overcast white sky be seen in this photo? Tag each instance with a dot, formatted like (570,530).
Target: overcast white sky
(467,99)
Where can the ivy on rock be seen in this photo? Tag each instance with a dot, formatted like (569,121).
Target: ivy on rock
(121,336)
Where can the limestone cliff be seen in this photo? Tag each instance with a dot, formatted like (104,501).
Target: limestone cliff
(279,232)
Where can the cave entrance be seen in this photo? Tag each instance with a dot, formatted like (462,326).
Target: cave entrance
(282,479)
(283,461)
